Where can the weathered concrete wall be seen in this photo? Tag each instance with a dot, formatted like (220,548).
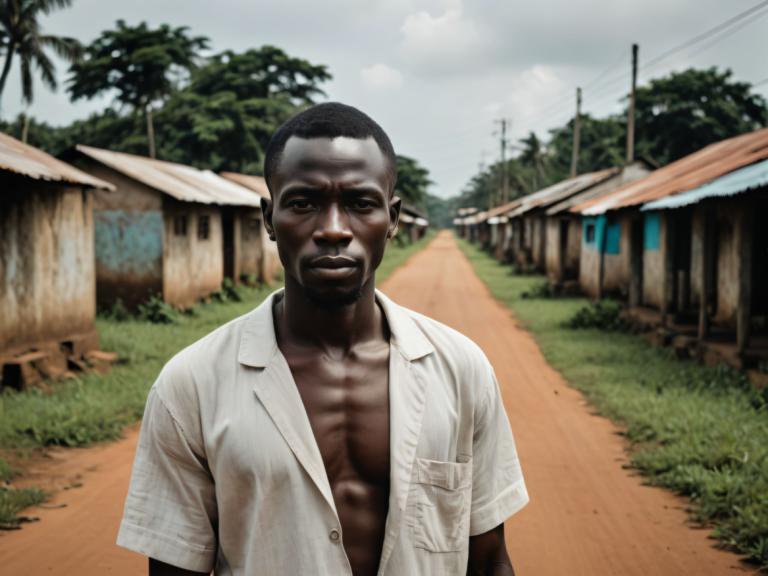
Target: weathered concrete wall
(539,241)
(654,256)
(193,267)
(552,267)
(727,241)
(572,248)
(47,280)
(615,261)
(617,266)
(128,238)
(728,245)
(252,234)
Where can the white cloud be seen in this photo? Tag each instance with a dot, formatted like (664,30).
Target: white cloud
(443,43)
(381,76)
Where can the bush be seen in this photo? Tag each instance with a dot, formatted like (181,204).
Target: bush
(603,315)
(118,312)
(157,311)
(540,290)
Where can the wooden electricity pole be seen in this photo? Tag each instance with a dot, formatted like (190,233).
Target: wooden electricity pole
(631,109)
(576,136)
(504,188)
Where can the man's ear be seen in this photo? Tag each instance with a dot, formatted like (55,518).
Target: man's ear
(266,210)
(395,203)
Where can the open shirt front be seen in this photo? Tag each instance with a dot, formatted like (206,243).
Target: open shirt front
(228,475)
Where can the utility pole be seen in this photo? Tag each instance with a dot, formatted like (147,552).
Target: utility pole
(576,136)
(504,188)
(631,109)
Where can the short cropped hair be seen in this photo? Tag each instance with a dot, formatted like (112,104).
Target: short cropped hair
(328,120)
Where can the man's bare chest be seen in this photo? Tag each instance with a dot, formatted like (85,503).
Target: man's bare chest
(347,403)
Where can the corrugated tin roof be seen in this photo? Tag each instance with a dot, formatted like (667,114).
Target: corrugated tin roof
(685,174)
(738,182)
(25,160)
(626,174)
(561,190)
(184,183)
(254,183)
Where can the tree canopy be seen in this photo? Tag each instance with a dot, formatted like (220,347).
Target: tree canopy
(412,181)
(140,63)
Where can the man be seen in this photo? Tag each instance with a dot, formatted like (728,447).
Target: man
(330,431)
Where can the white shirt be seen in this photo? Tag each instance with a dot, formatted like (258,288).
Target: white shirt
(228,475)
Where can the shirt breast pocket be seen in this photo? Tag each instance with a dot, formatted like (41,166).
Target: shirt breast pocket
(442,493)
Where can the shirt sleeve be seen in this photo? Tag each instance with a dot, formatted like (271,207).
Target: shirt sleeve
(170,511)
(498,488)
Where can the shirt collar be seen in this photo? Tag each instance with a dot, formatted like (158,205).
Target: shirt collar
(258,343)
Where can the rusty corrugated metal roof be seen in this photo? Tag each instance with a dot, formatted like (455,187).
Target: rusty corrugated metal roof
(25,160)
(685,174)
(184,183)
(561,191)
(626,174)
(254,183)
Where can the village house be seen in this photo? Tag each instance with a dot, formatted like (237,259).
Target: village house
(682,244)
(413,223)
(47,277)
(264,262)
(166,229)
(564,230)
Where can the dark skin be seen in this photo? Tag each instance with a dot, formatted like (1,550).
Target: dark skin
(332,212)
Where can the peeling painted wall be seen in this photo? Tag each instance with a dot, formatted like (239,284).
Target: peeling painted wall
(128,238)
(47,280)
(193,267)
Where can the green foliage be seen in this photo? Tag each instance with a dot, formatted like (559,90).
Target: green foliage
(540,290)
(22,36)
(157,311)
(228,293)
(440,211)
(685,111)
(412,181)
(14,501)
(601,315)
(117,312)
(699,431)
(138,62)
(6,472)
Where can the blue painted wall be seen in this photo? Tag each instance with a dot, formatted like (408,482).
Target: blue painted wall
(651,232)
(129,243)
(613,238)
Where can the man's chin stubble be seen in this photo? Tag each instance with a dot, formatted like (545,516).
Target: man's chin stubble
(333,300)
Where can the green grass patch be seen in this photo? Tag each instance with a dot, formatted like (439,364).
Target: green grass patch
(702,432)
(14,501)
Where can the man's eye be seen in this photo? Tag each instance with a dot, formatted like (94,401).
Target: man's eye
(362,204)
(300,204)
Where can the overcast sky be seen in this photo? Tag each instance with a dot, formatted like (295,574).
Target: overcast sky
(437,73)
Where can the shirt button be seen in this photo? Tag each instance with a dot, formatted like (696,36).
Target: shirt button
(334,535)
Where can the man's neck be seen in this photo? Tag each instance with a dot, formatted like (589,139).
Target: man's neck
(301,322)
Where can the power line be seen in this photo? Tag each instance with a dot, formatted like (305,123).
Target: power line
(706,34)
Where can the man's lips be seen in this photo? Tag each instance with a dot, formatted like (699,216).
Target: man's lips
(333,262)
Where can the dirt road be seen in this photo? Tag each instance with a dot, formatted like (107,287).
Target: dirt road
(587,516)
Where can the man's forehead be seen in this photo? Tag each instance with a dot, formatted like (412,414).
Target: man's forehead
(322,152)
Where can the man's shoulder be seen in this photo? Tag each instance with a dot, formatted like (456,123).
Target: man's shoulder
(200,362)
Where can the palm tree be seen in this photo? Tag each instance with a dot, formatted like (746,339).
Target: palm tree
(20,34)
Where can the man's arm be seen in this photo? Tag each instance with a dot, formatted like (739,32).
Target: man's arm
(157,568)
(488,554)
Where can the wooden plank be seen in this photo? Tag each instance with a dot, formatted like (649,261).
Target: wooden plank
(744,247)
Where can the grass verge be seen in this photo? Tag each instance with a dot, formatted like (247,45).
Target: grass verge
(96,407)
(702,432)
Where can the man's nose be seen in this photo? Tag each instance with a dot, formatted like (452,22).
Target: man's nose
(333,226)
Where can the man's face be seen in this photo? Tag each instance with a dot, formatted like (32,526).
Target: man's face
(331,214)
